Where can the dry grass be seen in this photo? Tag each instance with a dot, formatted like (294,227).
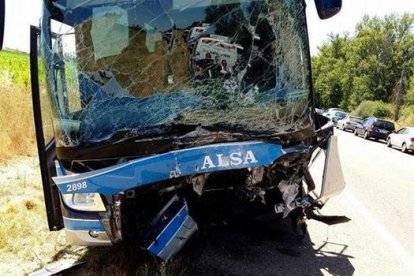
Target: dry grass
(25,241)
(17,136)
(26,244)
(127,260)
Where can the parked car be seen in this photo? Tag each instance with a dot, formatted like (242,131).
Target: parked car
(403,139)
(319,111)
(331,110)
(349,122)
(373,127)
(335,115)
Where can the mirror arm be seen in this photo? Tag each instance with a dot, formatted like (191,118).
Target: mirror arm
(2,21)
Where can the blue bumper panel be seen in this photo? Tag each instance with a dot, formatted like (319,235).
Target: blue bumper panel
(172,229)
(192,161)
(83,224)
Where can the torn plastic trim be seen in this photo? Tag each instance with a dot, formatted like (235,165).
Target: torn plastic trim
(331,182)
(180,163)
(333,178)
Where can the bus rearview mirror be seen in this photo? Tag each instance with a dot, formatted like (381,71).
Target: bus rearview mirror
(328,8)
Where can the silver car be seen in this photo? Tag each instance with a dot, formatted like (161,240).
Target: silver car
(335,115)
(403,139)
(349,122)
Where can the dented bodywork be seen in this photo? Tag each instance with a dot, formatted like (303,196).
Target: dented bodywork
(170,116)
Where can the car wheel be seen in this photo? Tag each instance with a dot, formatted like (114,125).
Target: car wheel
(389,142)
(404,148)
(366,135)
(355,132)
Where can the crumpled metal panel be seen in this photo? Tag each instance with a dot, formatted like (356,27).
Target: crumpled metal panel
(171,230)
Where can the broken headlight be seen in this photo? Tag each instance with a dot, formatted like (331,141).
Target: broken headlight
(84,202)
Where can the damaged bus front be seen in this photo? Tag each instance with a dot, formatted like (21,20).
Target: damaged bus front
(171,115)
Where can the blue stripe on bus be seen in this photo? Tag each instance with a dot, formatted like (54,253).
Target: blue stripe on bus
(168,233)
(192,161)
(85,225)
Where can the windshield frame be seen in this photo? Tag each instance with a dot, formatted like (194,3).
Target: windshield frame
(215,130)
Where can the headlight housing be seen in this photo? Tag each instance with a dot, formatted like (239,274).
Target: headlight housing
(84,202)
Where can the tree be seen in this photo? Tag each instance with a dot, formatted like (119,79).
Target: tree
(376,64)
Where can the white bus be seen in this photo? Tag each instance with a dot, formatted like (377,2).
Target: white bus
(218,50)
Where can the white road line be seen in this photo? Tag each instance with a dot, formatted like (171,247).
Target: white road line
(386,236)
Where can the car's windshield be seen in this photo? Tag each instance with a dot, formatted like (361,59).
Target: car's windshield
(340,115)
(120,69)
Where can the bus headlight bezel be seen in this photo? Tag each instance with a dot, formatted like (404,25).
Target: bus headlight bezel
(91,202)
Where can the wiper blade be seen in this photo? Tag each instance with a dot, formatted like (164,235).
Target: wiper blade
(151,132)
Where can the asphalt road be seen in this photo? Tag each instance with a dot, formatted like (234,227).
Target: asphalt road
(379,239)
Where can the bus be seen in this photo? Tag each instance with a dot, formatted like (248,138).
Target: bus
(139,152)
(218,50)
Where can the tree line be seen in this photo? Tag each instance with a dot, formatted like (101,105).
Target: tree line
(374,65)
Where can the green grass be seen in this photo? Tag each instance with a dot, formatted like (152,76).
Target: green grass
(14,68)
(386,110)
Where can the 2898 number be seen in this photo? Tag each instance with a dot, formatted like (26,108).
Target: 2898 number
(76,186)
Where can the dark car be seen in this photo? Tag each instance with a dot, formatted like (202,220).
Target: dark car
(374,128)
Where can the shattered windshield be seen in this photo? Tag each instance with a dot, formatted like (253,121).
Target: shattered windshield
(140,68)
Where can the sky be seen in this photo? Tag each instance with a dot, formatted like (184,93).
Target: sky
(20,14)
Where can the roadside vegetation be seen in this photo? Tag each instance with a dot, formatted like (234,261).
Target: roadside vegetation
(371,73)
(25,241)
(14,67)
(16,123)
(16,120)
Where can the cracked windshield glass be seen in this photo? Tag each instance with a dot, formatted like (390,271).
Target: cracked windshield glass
(148,68)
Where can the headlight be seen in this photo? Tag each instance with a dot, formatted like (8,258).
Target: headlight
(84,202)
